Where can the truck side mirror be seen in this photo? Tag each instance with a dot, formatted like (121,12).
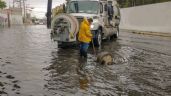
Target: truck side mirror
(64,9)
(101,8)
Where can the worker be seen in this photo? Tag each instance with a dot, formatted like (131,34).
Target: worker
(110,12)
(85,36)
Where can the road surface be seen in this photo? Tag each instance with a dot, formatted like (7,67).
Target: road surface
(31,64)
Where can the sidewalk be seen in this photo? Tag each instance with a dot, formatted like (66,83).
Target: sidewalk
(148,33)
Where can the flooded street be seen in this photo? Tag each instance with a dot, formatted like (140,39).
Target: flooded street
(31,64)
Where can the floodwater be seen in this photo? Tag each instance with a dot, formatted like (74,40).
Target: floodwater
(31,64)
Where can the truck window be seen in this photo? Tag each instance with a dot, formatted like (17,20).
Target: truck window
(90,7)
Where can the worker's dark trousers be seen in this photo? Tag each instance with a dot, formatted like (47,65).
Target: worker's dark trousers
(83,49)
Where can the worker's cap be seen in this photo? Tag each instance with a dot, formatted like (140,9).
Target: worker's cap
(90,19)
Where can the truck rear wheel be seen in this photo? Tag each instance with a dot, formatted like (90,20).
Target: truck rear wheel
(116,35)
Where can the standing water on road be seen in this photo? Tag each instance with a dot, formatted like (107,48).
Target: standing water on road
(31,64)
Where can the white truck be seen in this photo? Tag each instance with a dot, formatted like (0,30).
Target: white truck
(105,15)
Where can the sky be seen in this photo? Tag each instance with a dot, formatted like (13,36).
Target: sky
(40,6)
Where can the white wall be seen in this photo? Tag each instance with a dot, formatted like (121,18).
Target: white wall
(153,17)
(16,19)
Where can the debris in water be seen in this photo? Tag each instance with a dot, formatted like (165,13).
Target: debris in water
(8,62)
(15,81)
(1,84)
(16,86)
(10,77)
(2,92)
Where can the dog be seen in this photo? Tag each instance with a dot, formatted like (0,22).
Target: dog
(105,58)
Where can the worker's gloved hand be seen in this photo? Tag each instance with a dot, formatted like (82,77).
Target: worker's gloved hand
(71,35)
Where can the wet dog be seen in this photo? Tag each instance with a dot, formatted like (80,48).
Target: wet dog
(105,58)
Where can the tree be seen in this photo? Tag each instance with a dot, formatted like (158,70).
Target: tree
(130,3)
(34,19)
(2,4)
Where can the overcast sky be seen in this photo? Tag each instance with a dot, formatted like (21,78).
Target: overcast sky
(40,6)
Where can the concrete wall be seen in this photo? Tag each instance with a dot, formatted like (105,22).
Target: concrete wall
(153,17)
(16,19)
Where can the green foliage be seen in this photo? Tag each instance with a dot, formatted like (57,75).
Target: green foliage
(2,4)
(34,19)
(59,11)
(130,3)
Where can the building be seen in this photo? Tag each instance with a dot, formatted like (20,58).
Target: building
(15,16)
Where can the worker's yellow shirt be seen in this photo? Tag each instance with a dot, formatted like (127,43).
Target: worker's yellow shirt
(84,34)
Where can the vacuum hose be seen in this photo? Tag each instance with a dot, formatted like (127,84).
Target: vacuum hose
(65,26)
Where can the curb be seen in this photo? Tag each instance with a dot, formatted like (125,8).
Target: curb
(148,33)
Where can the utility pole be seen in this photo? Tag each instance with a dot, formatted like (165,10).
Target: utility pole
(13,3)
(48,14)
(24,11)
(20,3)
(8,15)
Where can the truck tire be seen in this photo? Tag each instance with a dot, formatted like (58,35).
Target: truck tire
(116,35)
(98,38)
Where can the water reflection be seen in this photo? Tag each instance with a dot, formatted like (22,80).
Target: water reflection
(67,72)
(32,59)
(70,74)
